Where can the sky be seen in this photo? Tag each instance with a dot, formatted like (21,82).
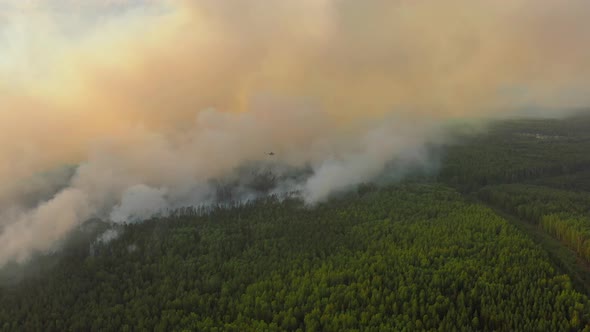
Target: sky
(151,99)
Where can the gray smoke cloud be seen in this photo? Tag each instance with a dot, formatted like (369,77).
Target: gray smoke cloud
(139,203)
(161,103)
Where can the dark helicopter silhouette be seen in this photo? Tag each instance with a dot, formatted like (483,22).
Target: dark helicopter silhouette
(271,153)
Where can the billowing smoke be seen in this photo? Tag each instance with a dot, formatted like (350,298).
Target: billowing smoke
(156,100)
(139,203)
(108,236)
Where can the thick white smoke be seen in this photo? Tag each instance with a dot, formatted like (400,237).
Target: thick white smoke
(154,100)
(139,203)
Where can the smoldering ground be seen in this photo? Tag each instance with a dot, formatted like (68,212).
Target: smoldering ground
(152,100)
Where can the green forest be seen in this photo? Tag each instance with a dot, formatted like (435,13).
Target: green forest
(487,243)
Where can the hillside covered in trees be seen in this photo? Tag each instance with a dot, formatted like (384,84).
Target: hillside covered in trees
(440,254)
(410,257)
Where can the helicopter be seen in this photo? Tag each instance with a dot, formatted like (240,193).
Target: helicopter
(271,153)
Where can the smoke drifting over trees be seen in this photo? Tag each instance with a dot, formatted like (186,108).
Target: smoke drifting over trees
(154,100)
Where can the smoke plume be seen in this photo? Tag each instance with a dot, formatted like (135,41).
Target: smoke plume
(152,100)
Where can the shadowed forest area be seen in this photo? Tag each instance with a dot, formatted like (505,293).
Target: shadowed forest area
(498,240)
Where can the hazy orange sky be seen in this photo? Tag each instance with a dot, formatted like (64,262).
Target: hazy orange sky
(164,93)
(74,72)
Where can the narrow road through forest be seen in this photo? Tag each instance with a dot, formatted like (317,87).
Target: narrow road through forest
(563,258)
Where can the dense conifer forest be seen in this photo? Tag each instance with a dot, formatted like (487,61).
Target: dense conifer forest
(444,253)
